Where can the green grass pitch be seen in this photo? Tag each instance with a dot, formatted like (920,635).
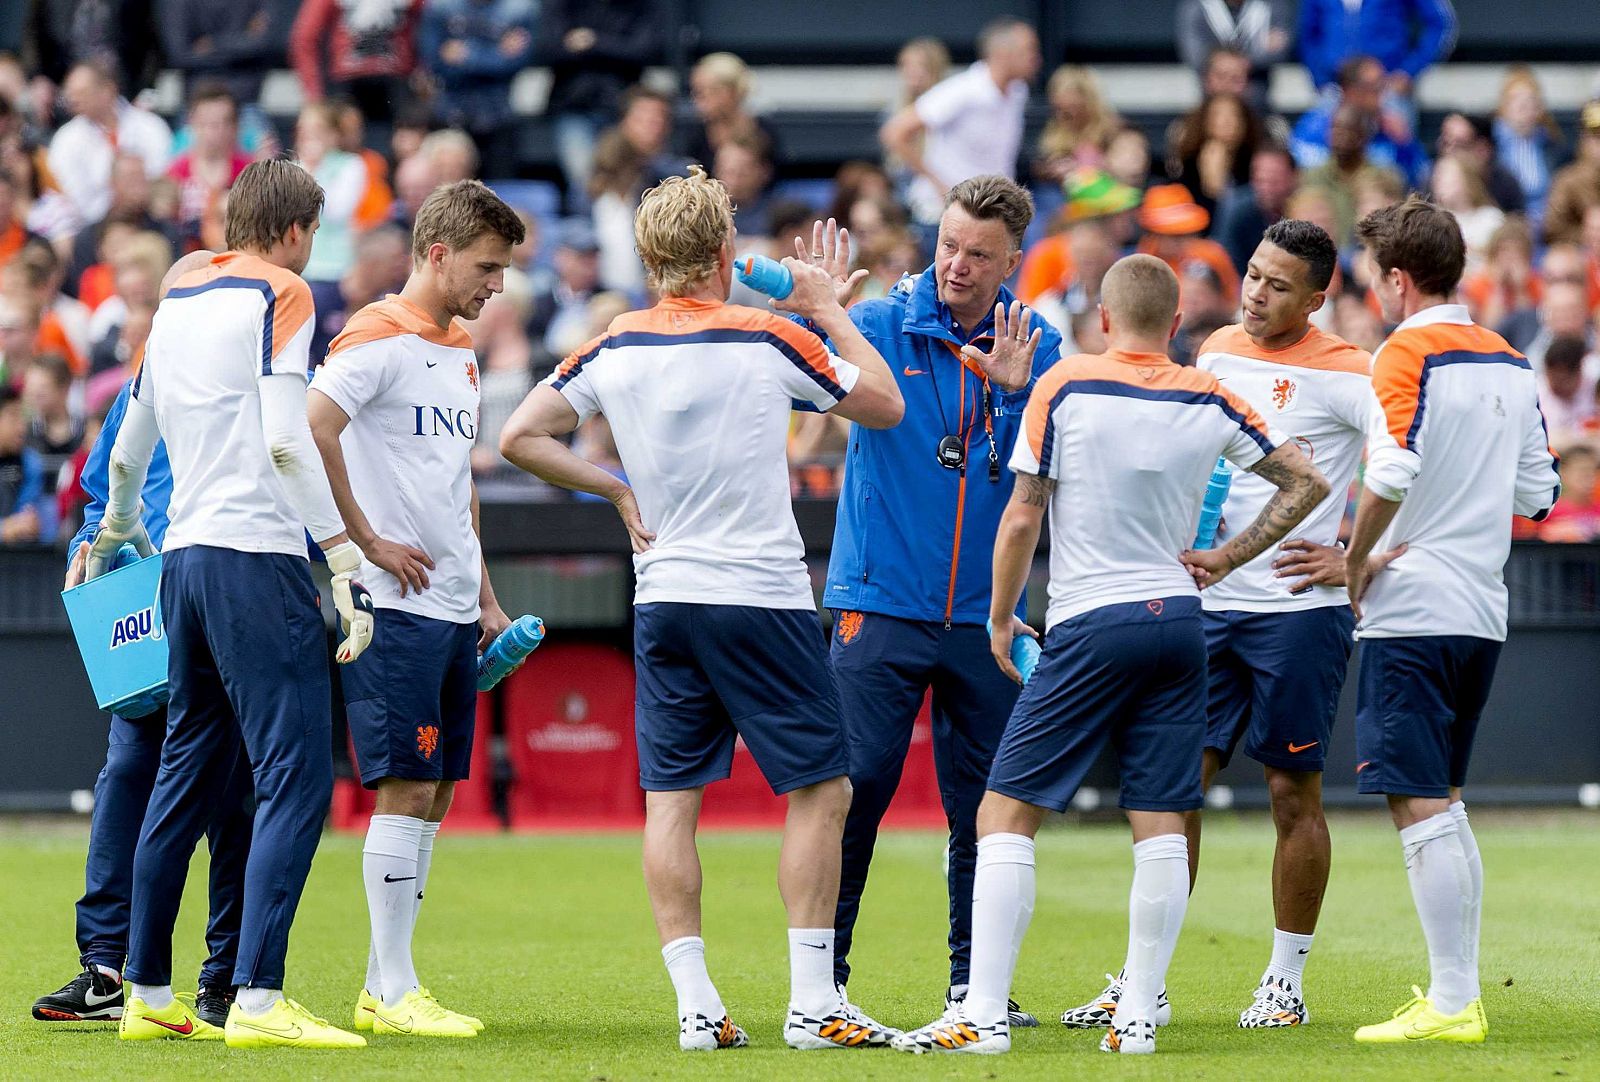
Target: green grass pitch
(549,940)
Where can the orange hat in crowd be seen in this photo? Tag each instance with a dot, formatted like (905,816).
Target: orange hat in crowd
(1170,210)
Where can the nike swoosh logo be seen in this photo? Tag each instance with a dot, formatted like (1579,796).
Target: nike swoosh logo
(432,364)
(914,371)
(1296,748)
(1303,952)
(293,1032)
(815,946)
(185,1029)
(387,878)
(94,1000)
(403,1027)
(1415,1034)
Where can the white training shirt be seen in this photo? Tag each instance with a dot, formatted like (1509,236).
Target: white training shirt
(1458,437)
(1319,392)
(699,395)
(410,389)
(219,331)
(972,128)
(1130,440)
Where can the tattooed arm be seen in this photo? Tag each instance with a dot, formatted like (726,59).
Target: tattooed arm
(1300,489)
(1014,546)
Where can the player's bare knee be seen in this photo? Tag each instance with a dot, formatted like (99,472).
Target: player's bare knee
(405,796)
(443,797)
(1000,814)
(1296,797)
(828,799)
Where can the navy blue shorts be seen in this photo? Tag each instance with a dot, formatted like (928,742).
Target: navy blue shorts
(1275,682)
(1417,711)
(705,674)
(1133,674)
(412,699)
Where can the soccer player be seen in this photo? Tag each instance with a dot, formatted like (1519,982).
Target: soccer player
(122,791)
(1457,448)
(246,640)
(1279,630)
(909,575)
(726,636)
(394,412)
(1118,448)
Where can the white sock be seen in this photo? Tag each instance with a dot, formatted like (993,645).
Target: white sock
(107,971)
(686,965)
(430,830)
(811,987)
(1469,846)
(1441,887)
(155,996)
(1002,906)
(389,869)
(1289,950)
(257,1000)
(1156,905)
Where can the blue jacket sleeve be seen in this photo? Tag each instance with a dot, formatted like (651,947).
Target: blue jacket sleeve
(1313,46)
(96,472)
(1436,36)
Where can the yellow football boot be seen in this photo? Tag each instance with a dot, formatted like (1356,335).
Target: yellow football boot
(366,1006)
(286,1025)
(176,1021)
(1419,1021)
(475,1023)
(419,1015)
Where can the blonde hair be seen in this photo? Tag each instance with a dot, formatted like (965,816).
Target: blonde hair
(1058,140)
(149,251)
(680,230)
(1141,293)
(726,69)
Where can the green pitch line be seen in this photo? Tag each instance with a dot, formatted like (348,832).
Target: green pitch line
(549,940)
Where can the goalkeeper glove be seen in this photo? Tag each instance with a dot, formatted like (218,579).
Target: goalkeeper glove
(109,539)
(351,601)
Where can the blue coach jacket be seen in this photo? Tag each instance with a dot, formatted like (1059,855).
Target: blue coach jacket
(915,539)
(96,480)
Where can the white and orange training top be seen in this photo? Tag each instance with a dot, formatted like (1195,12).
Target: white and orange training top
(220,330)
(1130,440)
(1458,436)
(699,395)
(410,389)
(1319,392)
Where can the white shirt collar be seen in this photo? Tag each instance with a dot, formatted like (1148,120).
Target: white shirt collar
(1438,313)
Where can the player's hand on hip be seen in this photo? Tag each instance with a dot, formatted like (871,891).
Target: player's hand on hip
(830,250)
(109,539)
(1207,566)
(409,565)
(1319,565)
(1010,364)
(492,620)
(628,508)
(351,602)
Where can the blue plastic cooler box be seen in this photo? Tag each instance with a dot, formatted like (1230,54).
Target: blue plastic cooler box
(116,619)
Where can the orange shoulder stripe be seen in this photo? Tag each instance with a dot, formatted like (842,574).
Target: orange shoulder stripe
(1036,416)
(1397,381)
(1317,350)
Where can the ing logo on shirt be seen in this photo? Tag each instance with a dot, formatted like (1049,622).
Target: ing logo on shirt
(849,627)
(427,740)
(1283,392)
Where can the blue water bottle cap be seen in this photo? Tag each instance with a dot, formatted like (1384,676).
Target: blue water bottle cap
(765,276)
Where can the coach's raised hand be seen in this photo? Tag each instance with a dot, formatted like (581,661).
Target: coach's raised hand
(830,250)
(1009,365)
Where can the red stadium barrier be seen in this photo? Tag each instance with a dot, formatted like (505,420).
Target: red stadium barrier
(744,802)
(569,734)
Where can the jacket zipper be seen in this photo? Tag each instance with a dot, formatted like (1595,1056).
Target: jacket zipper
(961,505)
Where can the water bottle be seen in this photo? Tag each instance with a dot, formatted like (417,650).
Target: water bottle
(126,555)
(765,276)
(509,650)
(1211,509)
(1024,653)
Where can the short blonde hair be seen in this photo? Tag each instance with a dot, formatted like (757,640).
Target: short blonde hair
(680,229)
(1141,294)
(727,69)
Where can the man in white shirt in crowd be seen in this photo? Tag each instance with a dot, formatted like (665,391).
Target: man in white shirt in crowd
(103,125)
(969,124)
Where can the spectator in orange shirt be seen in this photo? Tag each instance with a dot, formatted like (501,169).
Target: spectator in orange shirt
(378,200)
(13,234)
(1092,195)
(34,276)
(1507,282)
(1172,222)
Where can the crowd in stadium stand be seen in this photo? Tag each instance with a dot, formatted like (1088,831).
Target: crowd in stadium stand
(98,193)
